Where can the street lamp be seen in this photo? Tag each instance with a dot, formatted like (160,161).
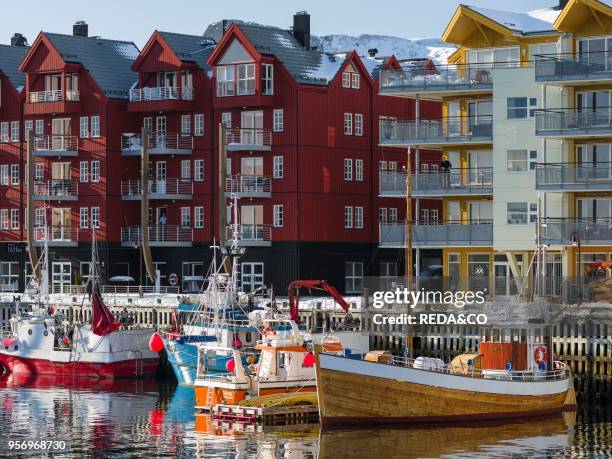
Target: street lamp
(575,240)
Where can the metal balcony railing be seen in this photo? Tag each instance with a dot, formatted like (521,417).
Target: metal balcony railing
(158,234)
(161,187)
(56,189)
(245,184)
(443,234)
(427,77)
(161,93)
(590,231)
(572,121)
(574,66)
(574,176)
(457,181)
(161,141)
(56,143)
(459,129)
(247,137)
(56,233)
(250,232)
(53,96)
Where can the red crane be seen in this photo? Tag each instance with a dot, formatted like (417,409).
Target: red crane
(294,295)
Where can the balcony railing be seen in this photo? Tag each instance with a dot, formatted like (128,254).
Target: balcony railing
(56,145)
(159,143)
(426,77)
(56,189)
(248,185)
(590,231)
(574,67)
(161,93)
(574,176)
(457,181)
(169,188)
(248,139)
(444,234)
(57,235)
(53,96)
(574,122)
(158,235)
(250,234)
(451,130)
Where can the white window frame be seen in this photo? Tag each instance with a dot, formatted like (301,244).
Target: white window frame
(348,217)
(392,214)
(4,132)
(355,80)
(95,171)
(95,126)
(14,174)
(359,170)
(226,118)
(14,219)
(267,79)
(242,82)
(358,124)
(5,179)
(198,170)
(28,125)
(346,79)
(279,166)
(39,171)
(383,215)
(39,127)
(198,217)
(84,127)
(531,104)
(198,124)
(526,216)
(185,217)
(278,214)
(226,87)
(185,125)
(359,217)
(84,217)
(95,217)
(348,124)
(353,276)
(84,171)
(185,169)
(278,117)
(348,169)
(14,131)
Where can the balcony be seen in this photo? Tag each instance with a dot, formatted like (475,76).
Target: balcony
(558,231)
(436,81)
(572,68)
(174,189)
(250,235)
(159,236)
(248,186)
(55,190)
(462,130)
(56,145)
(50,102)
(160,143)
(574,176)
(247,139)
(458,182)
(571,122)
(155,99)
(57,236)
(444,234)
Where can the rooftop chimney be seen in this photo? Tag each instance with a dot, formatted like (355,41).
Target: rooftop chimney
(18,40)
(80,29)
(301,28)
(373,52)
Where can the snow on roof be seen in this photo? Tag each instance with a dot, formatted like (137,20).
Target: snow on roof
(549,15)
(328,67)
(530,22)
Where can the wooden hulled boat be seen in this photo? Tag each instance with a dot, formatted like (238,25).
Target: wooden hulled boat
(496,383)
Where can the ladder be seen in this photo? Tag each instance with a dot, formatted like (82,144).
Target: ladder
(210,398)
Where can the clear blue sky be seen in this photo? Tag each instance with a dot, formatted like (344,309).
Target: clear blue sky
(136,19)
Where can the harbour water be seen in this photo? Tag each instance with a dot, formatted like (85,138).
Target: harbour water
(157,419)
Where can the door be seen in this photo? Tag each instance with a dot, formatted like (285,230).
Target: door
(503,281)
(455,159)
(60,224)
(252,127)
(60,134)
(252,276)
(60,179)
(160,132)
(480,211)
(480,115)
(594,161)
(594,108)
(61,276)
(160,177)
(250,169)
(251,222)
(480,164)
(159,232)
(453,212)
(454,119)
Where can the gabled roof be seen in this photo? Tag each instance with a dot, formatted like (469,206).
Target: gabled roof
(108,61)
(190,48)
(10,58)
(523,23)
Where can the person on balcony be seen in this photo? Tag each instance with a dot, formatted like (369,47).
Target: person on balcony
(161,233)
(445,167)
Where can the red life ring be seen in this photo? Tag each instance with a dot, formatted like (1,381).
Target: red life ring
(269,331)
(540,355)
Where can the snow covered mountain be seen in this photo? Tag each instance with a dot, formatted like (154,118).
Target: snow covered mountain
(403,48)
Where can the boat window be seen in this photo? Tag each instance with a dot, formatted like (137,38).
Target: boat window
(248,337)
(283,360)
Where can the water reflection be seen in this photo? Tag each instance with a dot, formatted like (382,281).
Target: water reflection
(157,419)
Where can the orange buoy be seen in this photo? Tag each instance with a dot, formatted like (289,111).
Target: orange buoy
(156,343)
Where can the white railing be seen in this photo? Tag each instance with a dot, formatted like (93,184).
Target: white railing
(131,142)
(249,136)
(157,186)
(116,289)
(161,93)
(56,142)
(559,371)
(158,233)
(250,232)
(248,184)
(56,233)
(56,188)
(55,95)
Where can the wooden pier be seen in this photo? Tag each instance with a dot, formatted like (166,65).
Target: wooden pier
(266,415)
